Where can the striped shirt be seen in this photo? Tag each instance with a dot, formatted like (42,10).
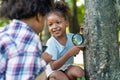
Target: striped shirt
(20,51)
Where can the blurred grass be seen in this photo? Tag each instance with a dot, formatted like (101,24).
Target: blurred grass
(83,78)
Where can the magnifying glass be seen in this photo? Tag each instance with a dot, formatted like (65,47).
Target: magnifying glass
(77,39)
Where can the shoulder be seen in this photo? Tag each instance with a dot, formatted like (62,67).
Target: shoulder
(5,43)
(51,40)
(4,37)
(70,35)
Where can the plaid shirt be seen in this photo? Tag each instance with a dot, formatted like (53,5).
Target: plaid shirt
(20,51)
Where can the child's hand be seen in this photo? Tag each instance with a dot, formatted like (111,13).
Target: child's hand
(81,47)
(75,50)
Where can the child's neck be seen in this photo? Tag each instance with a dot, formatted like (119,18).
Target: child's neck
(62,40)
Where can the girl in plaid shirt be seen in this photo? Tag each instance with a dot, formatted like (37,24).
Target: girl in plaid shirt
(20,46)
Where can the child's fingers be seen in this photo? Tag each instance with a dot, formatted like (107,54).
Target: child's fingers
(81,47)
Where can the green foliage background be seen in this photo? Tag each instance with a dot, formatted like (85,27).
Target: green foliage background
(3,22)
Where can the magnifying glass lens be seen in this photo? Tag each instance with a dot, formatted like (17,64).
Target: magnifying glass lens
(77,39)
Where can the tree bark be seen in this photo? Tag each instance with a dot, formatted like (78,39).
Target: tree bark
(101,55)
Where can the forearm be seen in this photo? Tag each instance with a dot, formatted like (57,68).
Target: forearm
(47,57)
(60,62)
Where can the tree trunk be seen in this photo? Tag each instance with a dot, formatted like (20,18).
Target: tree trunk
(118,6)
(101,55)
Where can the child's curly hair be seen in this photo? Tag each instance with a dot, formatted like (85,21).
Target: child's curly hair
(62,8)
(19,9)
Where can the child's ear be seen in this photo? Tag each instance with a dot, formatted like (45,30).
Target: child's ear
(38,17)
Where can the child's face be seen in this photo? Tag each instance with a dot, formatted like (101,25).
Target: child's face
(56,24)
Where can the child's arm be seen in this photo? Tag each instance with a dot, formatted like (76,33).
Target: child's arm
(47,57)
(56,64)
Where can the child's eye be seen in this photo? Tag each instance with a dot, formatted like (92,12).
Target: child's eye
(58,22)
(49,24)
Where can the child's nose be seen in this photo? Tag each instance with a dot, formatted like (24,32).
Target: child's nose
(54,25)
